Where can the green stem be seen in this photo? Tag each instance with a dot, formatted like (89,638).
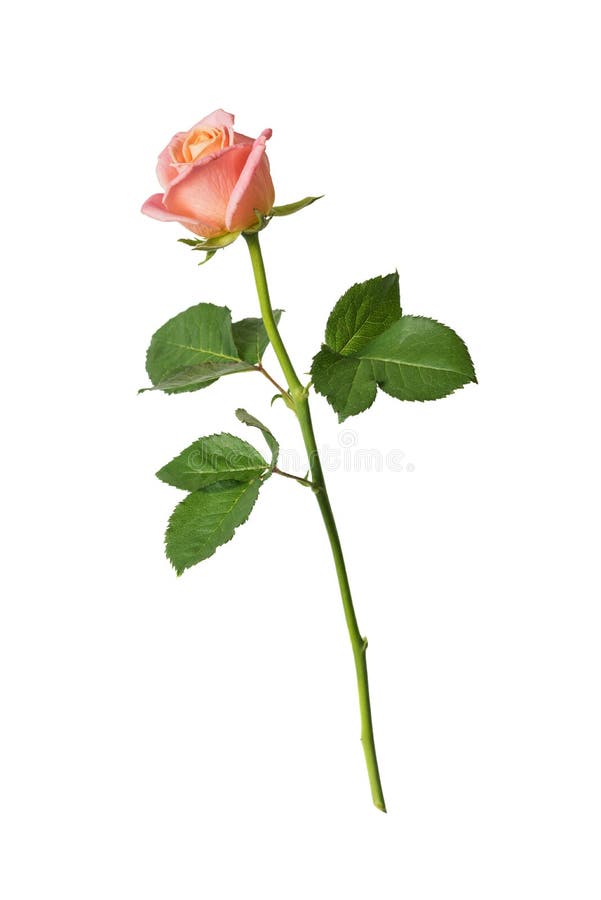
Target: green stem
(299,396)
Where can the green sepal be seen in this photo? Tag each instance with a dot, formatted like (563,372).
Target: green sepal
(270,440)
(218,457)
(214,243)
(206,519)
(222,240)
(289,208)
(261,223)
(210,246)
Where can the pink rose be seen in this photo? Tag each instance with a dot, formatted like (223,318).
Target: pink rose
(214,178)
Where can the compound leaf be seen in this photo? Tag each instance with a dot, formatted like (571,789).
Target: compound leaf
(200,334)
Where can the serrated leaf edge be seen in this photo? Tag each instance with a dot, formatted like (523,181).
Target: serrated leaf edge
(181,571)
(471,379)
(341,416)
(217,434)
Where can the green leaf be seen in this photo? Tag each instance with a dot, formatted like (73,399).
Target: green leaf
(414,359)
(362,313)
(198,346)
(201,334)
(192,377)
(419,359)
(273,445)
(206,519)
(251,338)
(218,457)
(289,208)
(346,381)
(370,344)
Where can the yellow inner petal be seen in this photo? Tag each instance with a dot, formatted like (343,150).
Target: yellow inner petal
(204,141)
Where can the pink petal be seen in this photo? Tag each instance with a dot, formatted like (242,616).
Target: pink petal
(202,191)
(154,207)
(219,118)
(166,171)
(242,138)
(254,189)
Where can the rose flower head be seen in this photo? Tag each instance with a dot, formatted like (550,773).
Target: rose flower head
(214,179)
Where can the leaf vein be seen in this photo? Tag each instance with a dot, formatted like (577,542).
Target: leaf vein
(203,350)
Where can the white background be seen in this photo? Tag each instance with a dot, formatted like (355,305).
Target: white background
(199,737)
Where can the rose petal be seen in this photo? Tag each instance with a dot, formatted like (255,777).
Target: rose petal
(242,138)
(166,171)
(155,208)
(202,191)
(254,189)
(219,118)
(200,142)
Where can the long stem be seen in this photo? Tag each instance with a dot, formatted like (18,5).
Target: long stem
(299,396)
